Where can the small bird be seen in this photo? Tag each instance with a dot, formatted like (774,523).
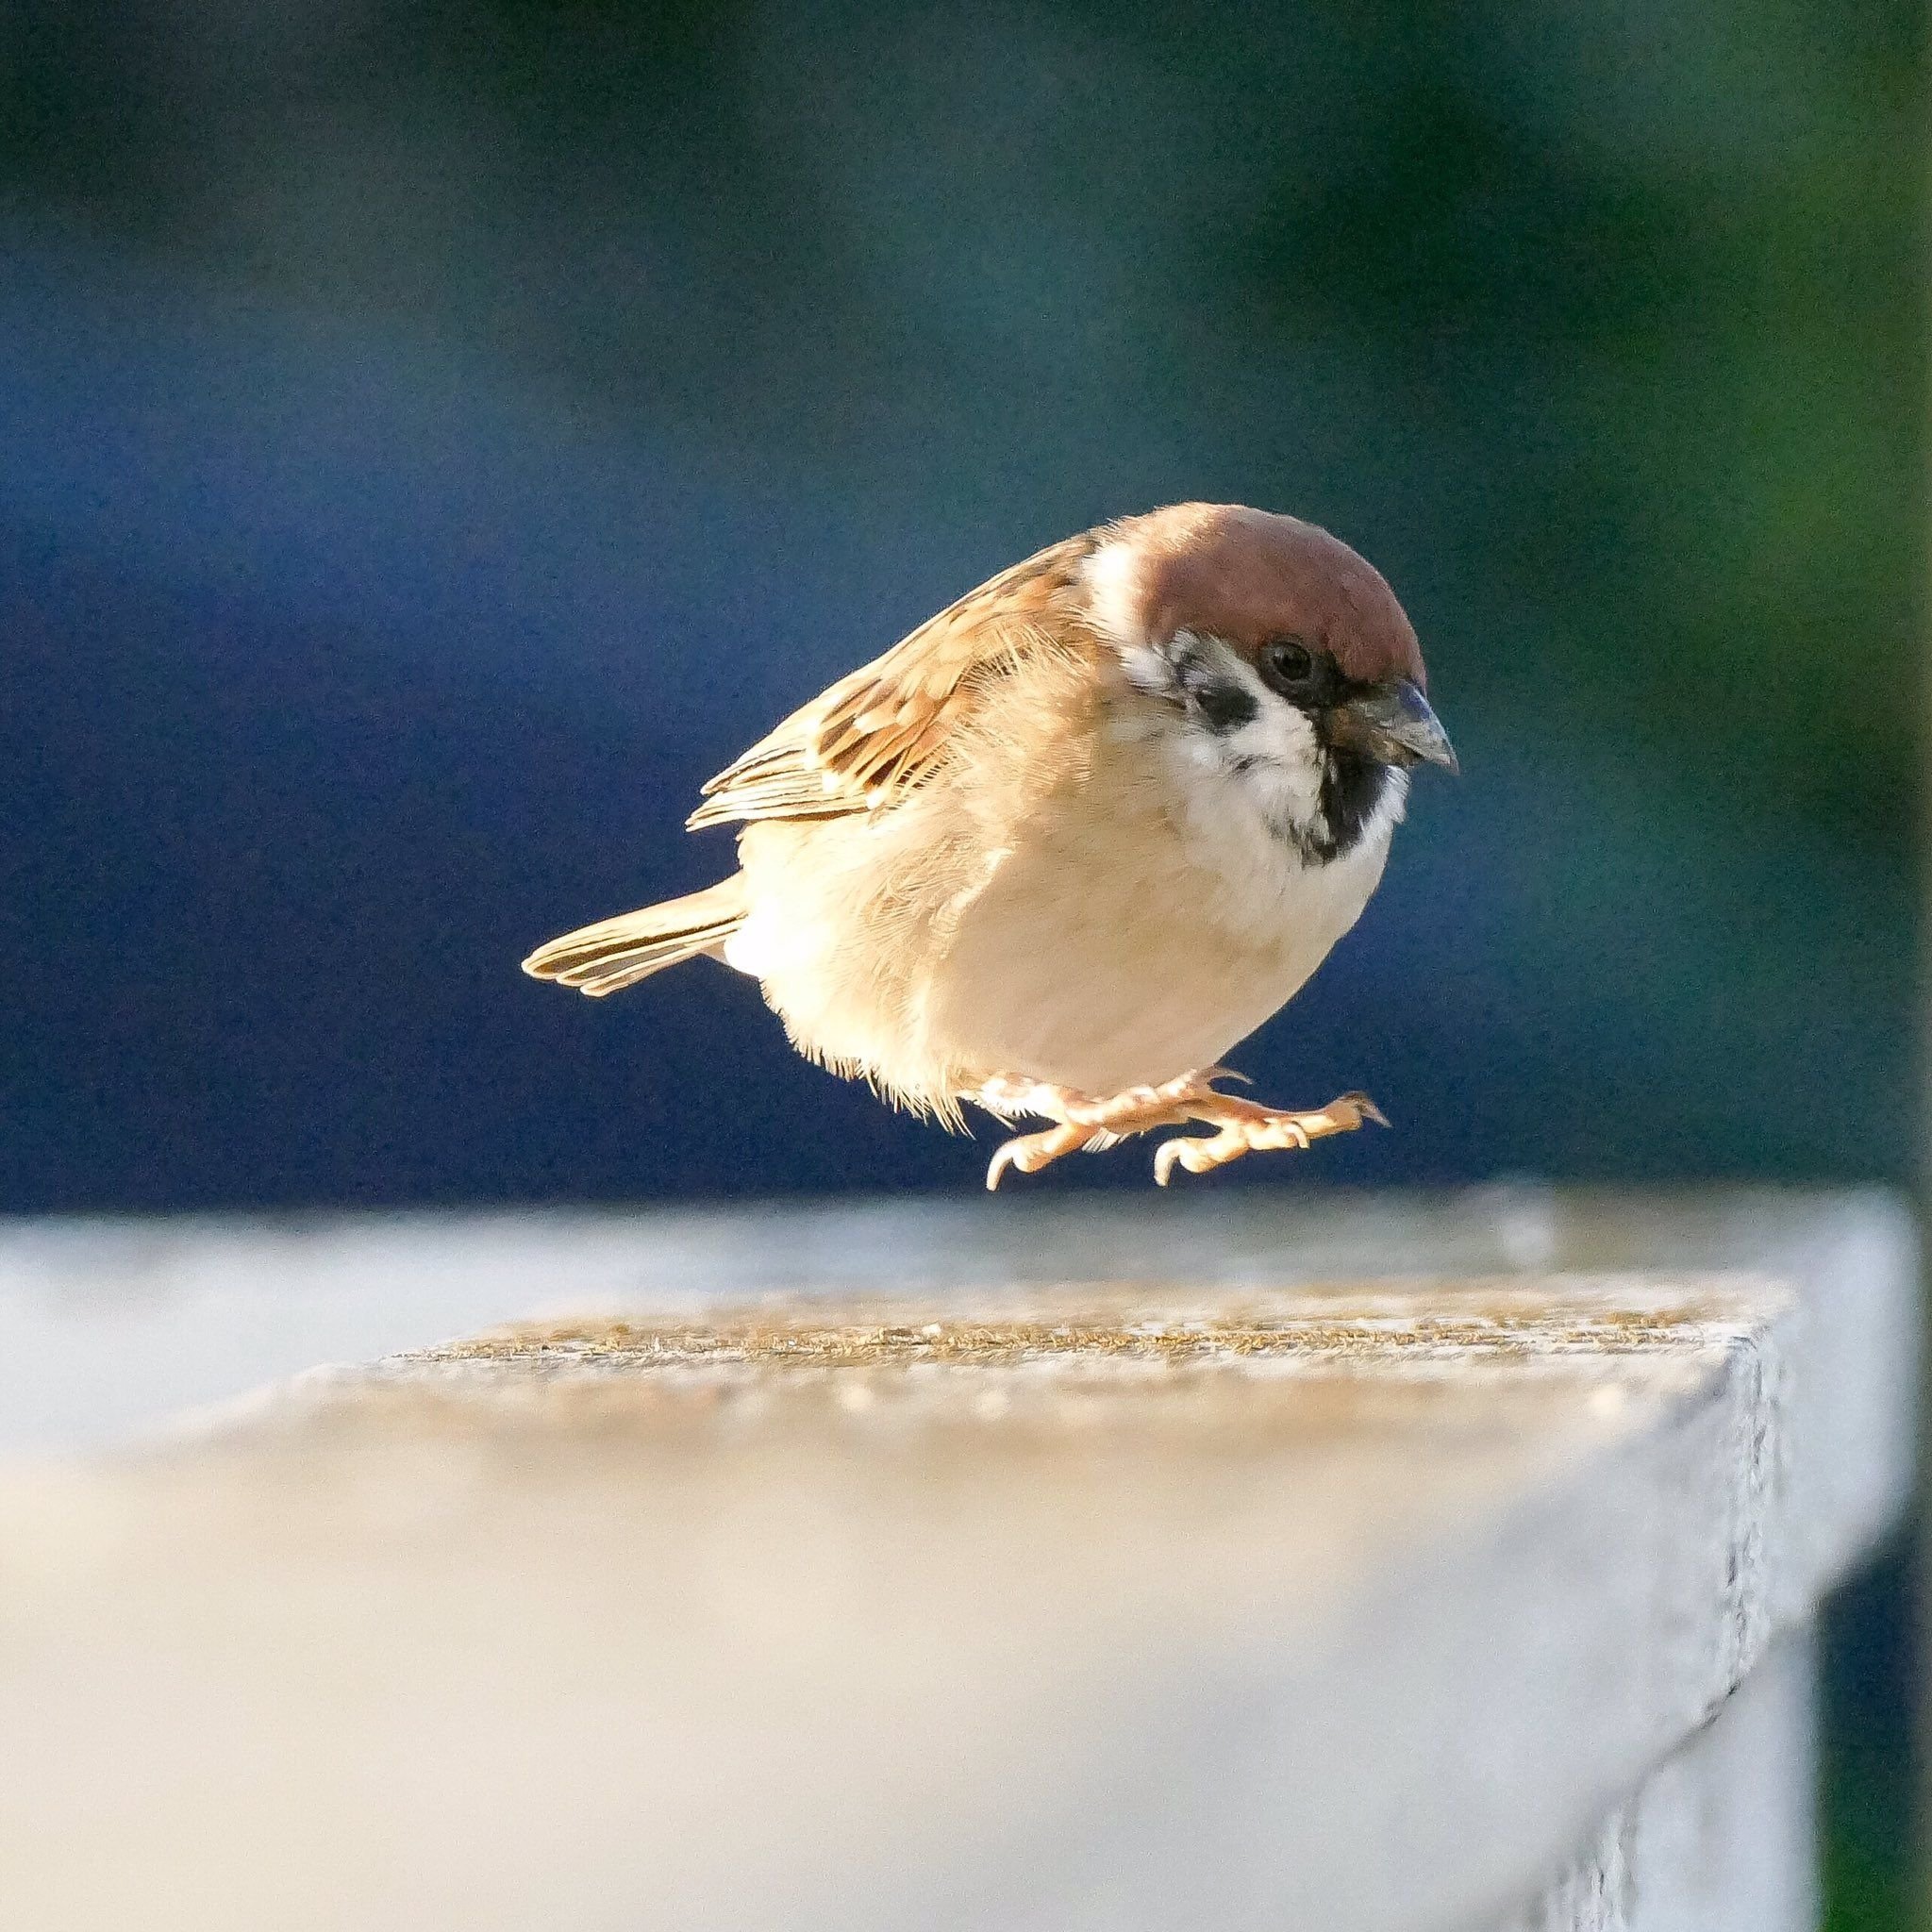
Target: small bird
(1056,852)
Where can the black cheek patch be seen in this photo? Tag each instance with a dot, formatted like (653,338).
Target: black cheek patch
(1221,705)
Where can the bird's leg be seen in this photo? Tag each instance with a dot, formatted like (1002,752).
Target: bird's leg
(1081,1120)
(1247,1127)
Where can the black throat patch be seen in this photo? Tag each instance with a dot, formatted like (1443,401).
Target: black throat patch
(1352,788)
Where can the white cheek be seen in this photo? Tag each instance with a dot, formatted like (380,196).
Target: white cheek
(1278,747)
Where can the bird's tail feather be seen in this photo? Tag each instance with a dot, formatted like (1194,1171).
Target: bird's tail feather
(616,953)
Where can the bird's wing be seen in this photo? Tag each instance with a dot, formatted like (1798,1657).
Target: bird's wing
(875,735)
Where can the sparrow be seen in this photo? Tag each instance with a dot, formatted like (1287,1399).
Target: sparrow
(1059,850)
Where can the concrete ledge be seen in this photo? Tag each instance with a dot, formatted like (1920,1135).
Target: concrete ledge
(1216,1601)
(1718,1839)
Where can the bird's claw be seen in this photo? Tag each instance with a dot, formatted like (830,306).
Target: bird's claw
(1256,1130)
(1030,1153)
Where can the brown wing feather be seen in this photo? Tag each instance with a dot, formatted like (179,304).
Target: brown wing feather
(876,733)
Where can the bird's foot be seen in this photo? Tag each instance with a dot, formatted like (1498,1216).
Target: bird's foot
(1247,1127)
(1082,1121)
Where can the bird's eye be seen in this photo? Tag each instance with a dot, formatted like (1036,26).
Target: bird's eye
(1288,665)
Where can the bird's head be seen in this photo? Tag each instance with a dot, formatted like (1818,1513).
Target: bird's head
(1283,657)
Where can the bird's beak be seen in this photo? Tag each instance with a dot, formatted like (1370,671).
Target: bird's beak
(1394,722)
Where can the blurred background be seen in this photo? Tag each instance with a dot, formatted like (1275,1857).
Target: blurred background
(435,437)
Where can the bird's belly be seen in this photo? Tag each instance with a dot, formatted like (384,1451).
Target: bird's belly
(1094,1022)
(1112,974)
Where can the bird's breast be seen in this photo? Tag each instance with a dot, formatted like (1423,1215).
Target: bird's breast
(1137,926)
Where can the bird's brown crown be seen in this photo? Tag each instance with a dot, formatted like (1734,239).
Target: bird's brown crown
(1250,575)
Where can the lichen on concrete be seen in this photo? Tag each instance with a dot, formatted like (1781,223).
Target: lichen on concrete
(1128,1325)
